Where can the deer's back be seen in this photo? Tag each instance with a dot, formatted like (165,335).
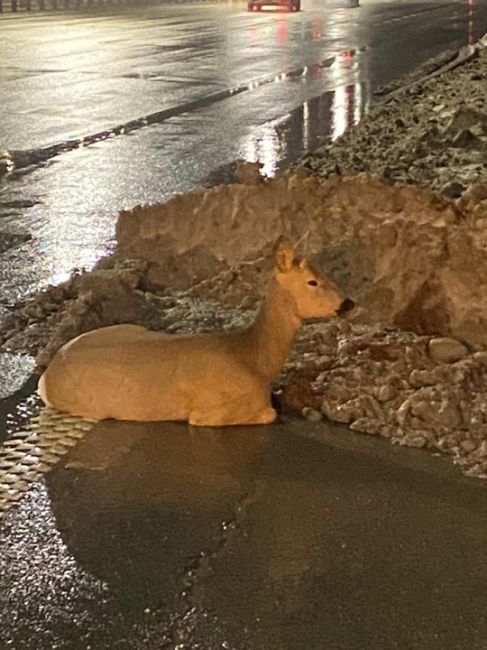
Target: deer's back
(128,372)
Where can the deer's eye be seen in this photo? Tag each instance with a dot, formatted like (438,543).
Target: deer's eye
(312,283)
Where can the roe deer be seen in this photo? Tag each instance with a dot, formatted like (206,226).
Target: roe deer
(127,372)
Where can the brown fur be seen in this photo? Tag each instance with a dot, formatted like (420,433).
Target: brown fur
(127,372)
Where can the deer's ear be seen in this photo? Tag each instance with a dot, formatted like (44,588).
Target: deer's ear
(284,255)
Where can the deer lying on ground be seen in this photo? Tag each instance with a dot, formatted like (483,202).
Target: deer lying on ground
(127,372)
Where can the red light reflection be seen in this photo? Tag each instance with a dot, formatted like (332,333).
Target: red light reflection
(282,32)
(316,26)
(471,37)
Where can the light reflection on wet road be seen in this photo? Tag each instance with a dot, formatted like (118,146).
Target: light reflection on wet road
(165,79)
(152,536)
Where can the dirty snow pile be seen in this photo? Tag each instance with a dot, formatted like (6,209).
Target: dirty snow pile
(433,134)
(112,293)
(419,391)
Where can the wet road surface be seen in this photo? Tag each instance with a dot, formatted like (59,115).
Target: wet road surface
(156,536)
(101,113)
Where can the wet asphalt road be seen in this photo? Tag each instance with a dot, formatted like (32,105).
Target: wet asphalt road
(147,537)
(182,91)
(158,537)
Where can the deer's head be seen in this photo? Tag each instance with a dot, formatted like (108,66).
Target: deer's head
(315,296)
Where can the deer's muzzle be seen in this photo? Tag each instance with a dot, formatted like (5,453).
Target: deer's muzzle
(347,305)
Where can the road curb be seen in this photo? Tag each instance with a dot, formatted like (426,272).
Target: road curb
(461,56)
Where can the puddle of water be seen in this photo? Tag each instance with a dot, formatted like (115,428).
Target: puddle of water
(119,549)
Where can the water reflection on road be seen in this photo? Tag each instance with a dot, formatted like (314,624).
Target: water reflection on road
(103,113)
(157,535)
(75,197)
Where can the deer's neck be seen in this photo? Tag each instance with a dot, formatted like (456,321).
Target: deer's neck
(274,330)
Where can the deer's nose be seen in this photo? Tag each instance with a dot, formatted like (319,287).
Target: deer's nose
(347,305)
